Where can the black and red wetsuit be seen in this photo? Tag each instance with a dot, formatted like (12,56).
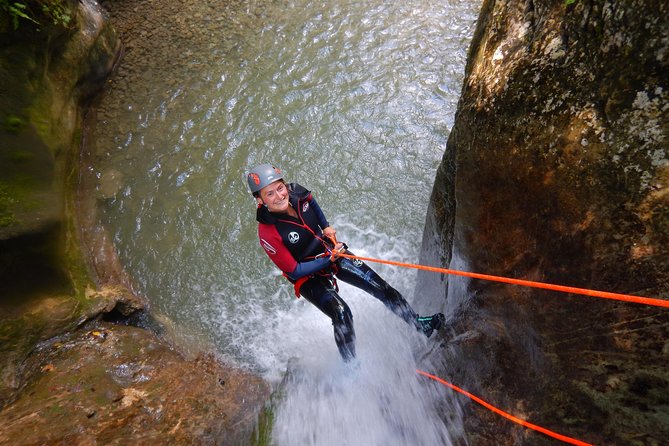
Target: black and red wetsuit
(297,247)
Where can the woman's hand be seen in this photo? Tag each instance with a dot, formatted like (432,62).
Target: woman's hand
(330,233)
(338,249)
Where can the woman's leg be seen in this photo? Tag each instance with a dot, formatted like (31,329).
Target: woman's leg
(320,292)
(358,274)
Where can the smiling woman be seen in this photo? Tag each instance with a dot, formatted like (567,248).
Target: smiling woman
(275,197)
(299,240)
(267,185)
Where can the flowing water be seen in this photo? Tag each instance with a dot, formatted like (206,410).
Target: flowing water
(354,100)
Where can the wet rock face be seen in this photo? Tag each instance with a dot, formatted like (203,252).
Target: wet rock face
(30,319)
(47,72)
(557,170)
(111,383)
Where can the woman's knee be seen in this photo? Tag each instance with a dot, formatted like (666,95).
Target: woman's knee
(338,310)
(342,322)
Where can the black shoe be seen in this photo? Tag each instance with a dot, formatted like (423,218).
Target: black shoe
(427,324)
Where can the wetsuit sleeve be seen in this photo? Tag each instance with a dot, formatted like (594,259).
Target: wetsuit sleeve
(322,221)
(271,242)
(308,268)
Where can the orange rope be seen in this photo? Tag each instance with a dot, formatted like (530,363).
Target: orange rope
(505,414)
(565,289)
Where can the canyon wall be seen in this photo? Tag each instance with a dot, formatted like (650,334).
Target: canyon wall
(557,170)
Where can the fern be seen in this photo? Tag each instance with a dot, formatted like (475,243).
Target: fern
(56,11)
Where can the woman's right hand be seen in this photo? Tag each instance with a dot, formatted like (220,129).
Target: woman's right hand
(338,249)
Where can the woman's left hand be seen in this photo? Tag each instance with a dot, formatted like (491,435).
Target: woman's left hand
(330,233)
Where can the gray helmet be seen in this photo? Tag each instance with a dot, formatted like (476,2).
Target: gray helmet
(262,175)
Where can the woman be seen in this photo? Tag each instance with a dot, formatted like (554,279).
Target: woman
(295,234)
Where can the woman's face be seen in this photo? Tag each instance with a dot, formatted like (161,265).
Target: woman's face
(275,197)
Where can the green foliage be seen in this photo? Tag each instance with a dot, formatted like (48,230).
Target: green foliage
(569,2)
(59,13)
(55,11)
(16,10)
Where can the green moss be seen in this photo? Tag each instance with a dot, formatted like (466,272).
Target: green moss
(45,271)
(262,434)
(7,203)
(42,120)
(74,260)
(21,156)
(6,218)
(13,332)
(14,124)
(54,410)
(17,196)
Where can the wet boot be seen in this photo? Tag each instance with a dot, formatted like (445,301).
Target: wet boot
(427,324)
(346,350)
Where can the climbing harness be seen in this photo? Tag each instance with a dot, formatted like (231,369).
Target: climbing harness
(506,415)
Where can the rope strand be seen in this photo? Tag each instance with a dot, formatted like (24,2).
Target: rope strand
(506,415)
(528,283)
